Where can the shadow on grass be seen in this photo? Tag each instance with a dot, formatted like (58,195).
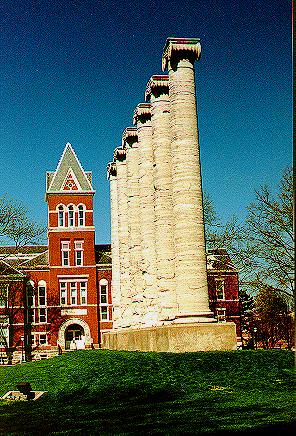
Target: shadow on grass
(87,414)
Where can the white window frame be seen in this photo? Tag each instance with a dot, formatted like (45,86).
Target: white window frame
(63,292)
(73,287)
(42,285)
(79,253)
(65,252)
(221,317)
(104,307)
(30,295)
(106,311)
(4,298)
(61,215)
(45,315)
(35,338)
(220,281)
(4,325)
(83,290)
(81,215)
(71,215)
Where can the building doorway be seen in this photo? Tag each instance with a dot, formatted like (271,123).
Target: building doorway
(74,337)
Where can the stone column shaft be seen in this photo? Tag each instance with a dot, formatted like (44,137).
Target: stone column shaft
(116,294)
(158,92)
(130,143)
(191,273)
(142,118)
(120,159)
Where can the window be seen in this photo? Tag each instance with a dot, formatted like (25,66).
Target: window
(3,294)
(4,331)
(219,283)
(103,293)
(42,315)
(78,253)
(39,339)
(221,315)
(42,293)
(104,313)
(81,216)
(65,248)
(73,293)
(71,220)
(61,216)
(30,294)
(31,316)
(63,293)
(82,292)
(42,339)
(104,307)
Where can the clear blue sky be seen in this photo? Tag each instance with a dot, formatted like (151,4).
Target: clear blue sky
(74,71)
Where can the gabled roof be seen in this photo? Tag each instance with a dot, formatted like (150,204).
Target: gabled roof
(69,177)
(8,271)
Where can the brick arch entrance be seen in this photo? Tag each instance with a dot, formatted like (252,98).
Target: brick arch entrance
(77,329)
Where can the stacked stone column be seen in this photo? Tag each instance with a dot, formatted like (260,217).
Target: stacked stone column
(191,275)
(116,289)
(157,92)
(122,210)
(142,119)
(130,144)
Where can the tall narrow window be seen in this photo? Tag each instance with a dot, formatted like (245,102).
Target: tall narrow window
(82,292)
(3,294)
(65,249)
(4,331)
(61,216)
(30,294)
(71,216)
(220,289)
(73,293)
(42,315)
(42,293)
(63,293)
(78,253)
(81,216)
(104,306)
(103,294)
(104,313)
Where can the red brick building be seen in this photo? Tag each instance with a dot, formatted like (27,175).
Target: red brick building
(58,296)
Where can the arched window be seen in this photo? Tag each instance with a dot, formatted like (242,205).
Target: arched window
(61,216)
(81,215)
(71,216)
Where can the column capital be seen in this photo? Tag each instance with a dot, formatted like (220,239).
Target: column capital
(142,112)
(129,137)
(174,47)
(119,154)
(157,84)
(111,170)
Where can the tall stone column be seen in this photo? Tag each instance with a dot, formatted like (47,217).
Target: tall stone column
(130,144)
(116,294)
(121,170)
(191,275)
(157,92)
(142,119)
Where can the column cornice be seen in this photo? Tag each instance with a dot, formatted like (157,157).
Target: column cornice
(129,137)
(157,84)
(111,170)
(175,47)
(143,111)
(119,154)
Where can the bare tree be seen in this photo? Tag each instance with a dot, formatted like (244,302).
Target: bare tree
(16,226)
(263,246)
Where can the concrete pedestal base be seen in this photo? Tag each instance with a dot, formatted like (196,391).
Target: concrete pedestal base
(177,338)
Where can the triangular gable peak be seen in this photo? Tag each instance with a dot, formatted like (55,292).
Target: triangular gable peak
(71,183)
(69,175)
(7,270)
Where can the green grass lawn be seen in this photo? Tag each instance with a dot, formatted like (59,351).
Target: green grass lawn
(113,392)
